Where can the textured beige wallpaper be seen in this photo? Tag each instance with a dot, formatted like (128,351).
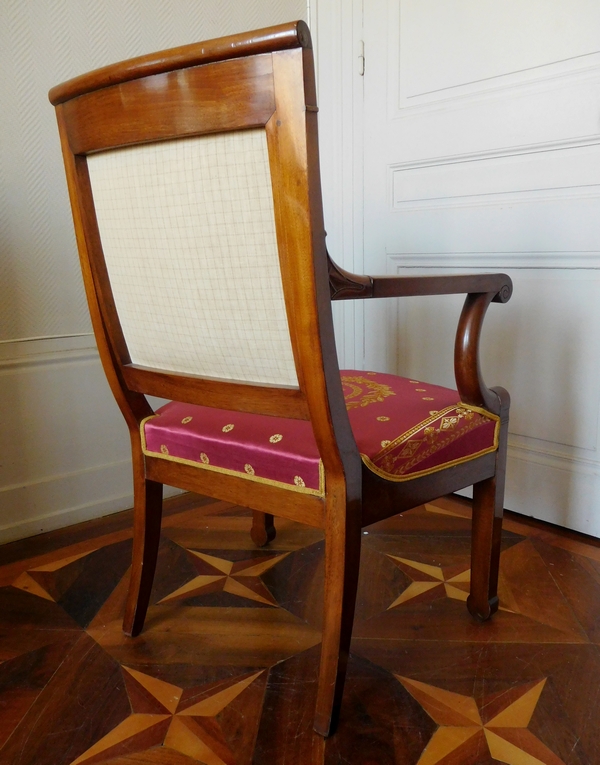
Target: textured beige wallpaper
(42,43)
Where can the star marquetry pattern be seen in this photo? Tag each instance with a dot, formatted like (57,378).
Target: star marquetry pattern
(437,581)
(164,714)
(52,579)
(431,582)
(241,578)
(465,731)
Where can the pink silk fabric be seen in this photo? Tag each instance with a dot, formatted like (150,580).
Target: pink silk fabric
(403,429)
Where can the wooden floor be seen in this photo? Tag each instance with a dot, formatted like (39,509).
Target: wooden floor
(225,669)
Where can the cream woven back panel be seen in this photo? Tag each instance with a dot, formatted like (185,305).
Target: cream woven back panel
(188,233)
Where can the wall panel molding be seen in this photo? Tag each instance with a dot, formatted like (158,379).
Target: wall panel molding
(46,350)
(558,171)
(557,259)
(541,453)
(574,142)
(417,86)
(549,78)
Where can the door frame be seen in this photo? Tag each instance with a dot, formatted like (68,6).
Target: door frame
(336,28)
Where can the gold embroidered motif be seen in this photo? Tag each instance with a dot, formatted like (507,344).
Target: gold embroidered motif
(163,449)
(204,458)
(186,420)
(428,398)
(359,397)
(298,481)
(421,390)
(383,418)
(385,443)
(371,373)
(249,469)
(227,428)
(448,423)
(414,382)
(410,448)
(430,433)
(276,438)
(434,411)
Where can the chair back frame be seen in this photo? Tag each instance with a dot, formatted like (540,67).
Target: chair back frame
(266,82)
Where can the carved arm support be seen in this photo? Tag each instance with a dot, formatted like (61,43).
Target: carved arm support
(481,289)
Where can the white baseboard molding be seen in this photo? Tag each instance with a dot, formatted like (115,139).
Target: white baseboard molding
(64,500)
(536,489)
(567,497)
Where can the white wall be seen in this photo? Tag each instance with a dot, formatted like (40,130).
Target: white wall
(474,141)
(64,450)
(483,152)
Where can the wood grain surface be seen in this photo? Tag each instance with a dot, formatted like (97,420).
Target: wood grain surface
(226,668)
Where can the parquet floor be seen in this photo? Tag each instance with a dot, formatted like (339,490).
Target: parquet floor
(225,670)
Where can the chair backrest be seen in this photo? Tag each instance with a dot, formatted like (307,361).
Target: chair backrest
(188,235)
(194,183)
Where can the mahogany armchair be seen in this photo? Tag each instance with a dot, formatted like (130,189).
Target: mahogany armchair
(194,183)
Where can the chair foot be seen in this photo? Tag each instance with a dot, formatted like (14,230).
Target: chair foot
(325,725)
(146,537)
(483,611)
(132,629)
(263,528)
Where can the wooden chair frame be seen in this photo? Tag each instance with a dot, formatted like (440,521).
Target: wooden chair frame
(266,78)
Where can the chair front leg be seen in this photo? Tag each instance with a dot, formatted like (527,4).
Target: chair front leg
(342,559)
(488,508)
(263,528)
(485,549)
(147,513)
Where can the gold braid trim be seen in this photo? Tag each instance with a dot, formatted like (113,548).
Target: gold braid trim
(439,415)
(421,473)
(420,426)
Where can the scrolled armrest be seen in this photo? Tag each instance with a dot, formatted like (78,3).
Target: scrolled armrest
(345,285)
(499,285)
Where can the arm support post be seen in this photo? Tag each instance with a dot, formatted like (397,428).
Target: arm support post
(467,371)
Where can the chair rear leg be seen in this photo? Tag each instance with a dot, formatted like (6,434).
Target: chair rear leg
(147,515)
(263,528)
(485,548)
(342,559)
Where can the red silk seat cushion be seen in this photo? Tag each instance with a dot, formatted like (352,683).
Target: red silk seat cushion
(403,429)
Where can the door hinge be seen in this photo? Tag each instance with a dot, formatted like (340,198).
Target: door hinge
(361,58)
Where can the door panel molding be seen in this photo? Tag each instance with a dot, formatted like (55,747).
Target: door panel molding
(430,70)
(543,351)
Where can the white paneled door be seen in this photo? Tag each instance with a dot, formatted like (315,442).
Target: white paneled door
(482,153)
